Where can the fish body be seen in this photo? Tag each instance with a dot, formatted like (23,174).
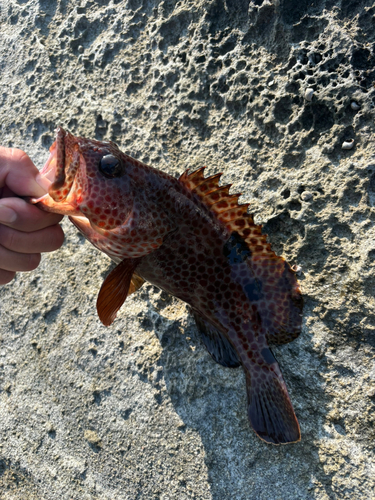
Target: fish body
(189,237)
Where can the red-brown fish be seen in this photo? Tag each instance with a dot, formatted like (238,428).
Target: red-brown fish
(189,237)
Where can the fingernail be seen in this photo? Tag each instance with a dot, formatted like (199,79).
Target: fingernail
(7,215)
(43,182)
(34,187)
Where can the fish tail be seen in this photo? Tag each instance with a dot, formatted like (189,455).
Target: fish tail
(270,410)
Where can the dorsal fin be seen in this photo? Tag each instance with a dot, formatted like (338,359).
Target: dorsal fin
(282,302)
(192,180)
(228,211)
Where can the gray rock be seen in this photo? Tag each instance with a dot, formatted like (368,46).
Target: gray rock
(139,409)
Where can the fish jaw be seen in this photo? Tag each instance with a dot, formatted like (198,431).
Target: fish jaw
(58,175)
(62,165)
(48,204)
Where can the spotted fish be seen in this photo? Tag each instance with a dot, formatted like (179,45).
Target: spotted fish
(191,238)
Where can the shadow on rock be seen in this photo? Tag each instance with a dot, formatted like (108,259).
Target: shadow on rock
(212,400)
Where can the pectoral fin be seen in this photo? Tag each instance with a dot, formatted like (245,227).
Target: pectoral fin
(115,289)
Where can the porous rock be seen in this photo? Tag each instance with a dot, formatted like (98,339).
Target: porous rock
(139,409)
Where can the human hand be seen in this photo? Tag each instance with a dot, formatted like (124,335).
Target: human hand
(25,230)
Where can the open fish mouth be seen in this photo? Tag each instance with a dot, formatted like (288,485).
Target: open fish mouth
(48,172)
(58,175)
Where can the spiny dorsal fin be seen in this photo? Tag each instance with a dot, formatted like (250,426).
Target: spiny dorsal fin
(228,211)
(282,302)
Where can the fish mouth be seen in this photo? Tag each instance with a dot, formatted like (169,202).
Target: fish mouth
(57,150)
(58,174)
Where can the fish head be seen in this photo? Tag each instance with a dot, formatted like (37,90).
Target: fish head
(88,178)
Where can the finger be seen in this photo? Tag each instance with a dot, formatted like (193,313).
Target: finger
(14,261)
(44,240)
(28,217)
(6,276)
(19,173)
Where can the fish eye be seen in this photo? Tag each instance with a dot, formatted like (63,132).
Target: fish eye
(111,167)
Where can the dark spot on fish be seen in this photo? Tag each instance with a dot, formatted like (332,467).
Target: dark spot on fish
(267,355)
(253,290)
(236,250)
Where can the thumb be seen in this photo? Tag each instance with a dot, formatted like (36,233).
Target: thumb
(18,173)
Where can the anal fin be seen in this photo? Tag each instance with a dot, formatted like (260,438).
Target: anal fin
(270,410)
(217,345)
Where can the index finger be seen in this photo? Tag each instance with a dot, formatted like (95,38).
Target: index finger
(18,173)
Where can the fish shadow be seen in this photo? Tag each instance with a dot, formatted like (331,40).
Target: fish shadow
(211,400)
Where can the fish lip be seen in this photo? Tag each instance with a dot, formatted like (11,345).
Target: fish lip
(47,204)
(47,174)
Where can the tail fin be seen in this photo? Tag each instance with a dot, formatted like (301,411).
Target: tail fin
(270,410)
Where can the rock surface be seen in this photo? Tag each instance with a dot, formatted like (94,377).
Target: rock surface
(139,410)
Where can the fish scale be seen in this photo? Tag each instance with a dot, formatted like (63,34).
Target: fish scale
(191,238)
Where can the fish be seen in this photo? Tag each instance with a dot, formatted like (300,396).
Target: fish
(190,237)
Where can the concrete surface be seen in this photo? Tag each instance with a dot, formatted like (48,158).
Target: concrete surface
(139,410)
